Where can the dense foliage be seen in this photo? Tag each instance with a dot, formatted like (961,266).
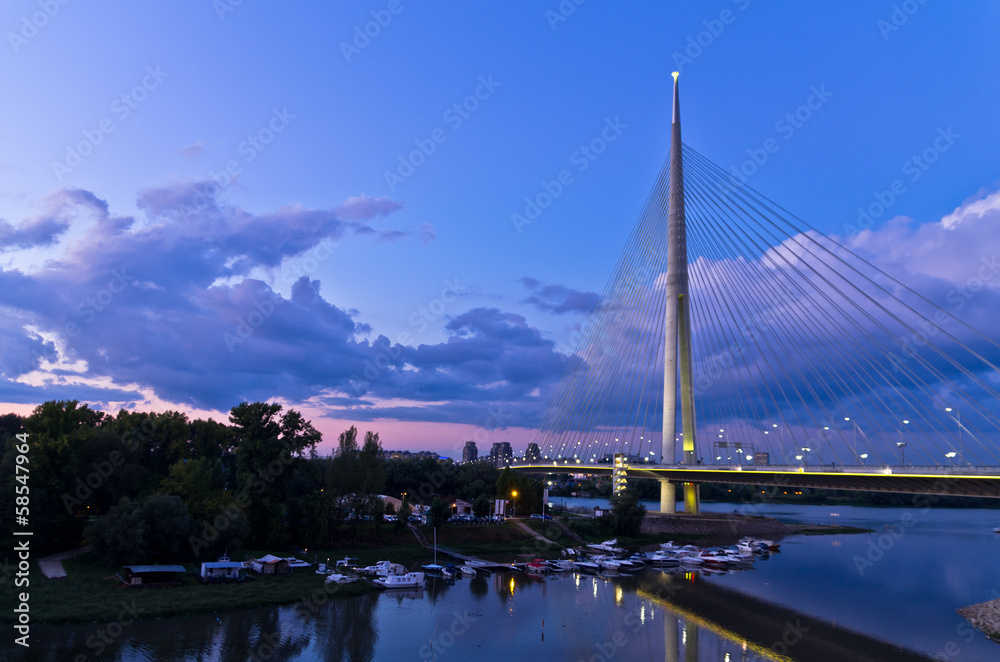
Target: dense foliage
(627,513)
(146,487)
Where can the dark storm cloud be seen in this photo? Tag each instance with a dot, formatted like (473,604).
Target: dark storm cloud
(559,299)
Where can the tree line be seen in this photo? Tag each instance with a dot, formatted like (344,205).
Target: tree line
(147,487)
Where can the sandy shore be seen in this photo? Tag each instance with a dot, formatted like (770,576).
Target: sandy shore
(985,616)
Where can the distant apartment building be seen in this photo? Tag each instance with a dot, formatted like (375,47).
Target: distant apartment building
(501,455)
(470,453)
(533,453)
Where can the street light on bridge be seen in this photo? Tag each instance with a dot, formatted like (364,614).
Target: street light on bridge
(863,456)
(902,444)
(805,450)
(958,419)
(950,455)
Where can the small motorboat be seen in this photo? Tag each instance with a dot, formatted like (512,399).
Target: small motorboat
(467,570)
(608,546)
(537,566)
(385,568)
(409,580)
(337,578)
(688,557)
(561,566)
(589,567)
(665,558)
(346,563)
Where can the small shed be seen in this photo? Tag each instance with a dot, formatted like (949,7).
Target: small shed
(270,565)
(600,511)
(151,575)
(461,507)
(221,571)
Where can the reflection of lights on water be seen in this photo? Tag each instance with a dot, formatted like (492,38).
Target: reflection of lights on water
(684,636)
(512,586)
(642,614)
(728,658)
(576,577)
(595,589)
(618,595)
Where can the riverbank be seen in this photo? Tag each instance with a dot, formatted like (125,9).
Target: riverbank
(985,617)
(91,593)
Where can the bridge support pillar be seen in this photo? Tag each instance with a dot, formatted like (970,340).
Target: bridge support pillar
(692,499)
(668,497)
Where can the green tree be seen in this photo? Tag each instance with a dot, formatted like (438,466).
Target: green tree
(439,512)
(627,513)
(266,445)
(481,506)
(120,535)
(166,529)
(403,516)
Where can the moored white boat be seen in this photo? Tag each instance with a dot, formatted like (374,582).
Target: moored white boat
(385,568)
(409,580)
(337,578)
(608,546)
(665,558)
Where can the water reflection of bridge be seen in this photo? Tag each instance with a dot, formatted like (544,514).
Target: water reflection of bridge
(758,630)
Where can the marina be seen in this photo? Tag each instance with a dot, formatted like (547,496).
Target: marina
(902,607)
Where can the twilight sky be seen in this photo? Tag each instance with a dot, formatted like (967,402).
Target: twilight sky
(205,202)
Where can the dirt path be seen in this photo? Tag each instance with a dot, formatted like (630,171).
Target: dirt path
(52,566)
(536,534)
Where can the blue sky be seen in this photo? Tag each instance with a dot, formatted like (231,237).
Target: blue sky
(333,113)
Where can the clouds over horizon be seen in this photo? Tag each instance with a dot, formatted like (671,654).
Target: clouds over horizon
(175,302)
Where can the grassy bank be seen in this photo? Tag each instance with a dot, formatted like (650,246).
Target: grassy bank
(91,593)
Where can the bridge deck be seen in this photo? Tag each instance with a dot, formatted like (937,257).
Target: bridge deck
(951,481)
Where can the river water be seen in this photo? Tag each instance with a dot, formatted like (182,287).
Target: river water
(842,597)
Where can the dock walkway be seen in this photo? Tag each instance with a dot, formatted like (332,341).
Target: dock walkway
(447,551)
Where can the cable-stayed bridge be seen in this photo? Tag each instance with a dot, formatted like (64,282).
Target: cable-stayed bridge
(772,354)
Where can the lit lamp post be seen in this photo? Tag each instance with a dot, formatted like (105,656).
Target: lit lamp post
(902,444)
(805,451)
(514,504)
(863,456)
(951,455)
(958,419)
(855,424)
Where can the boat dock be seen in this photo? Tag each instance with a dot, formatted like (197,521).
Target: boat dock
(470,560)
